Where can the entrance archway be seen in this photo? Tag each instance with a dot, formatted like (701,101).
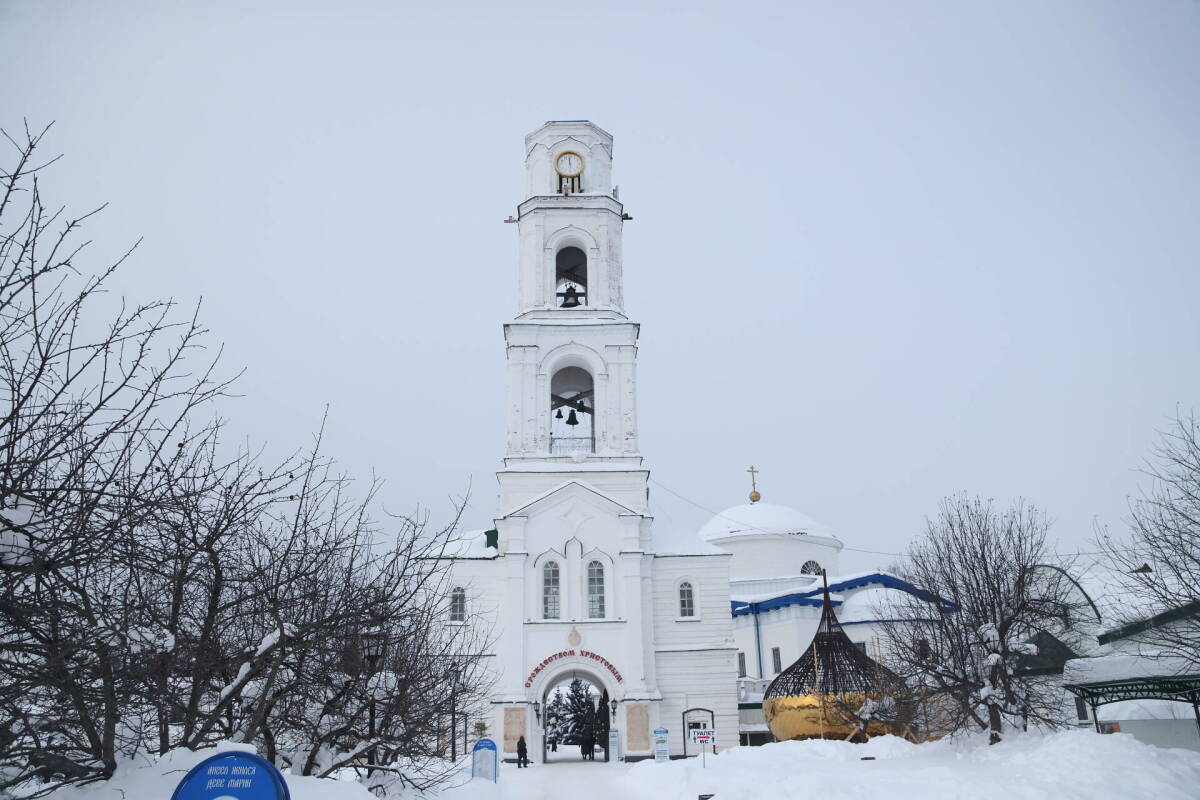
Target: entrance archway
(575,718)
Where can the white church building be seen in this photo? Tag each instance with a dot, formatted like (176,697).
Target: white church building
(570,578)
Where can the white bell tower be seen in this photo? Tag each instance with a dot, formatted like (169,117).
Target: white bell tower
(569,575)
(571,349)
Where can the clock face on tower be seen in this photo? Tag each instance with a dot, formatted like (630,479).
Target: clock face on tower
(568,164)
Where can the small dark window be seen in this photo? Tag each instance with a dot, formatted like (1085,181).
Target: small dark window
(741,665)
(862,647)
(458,605)
(1081,709)
(550,586)
(595,584)
(776,660)
(923,649)
(810,568)
(687,600)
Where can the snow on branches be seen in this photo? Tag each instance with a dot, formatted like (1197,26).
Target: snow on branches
(160,589)
(1002,590)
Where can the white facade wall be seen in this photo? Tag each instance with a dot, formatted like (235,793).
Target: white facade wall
(773,556)
(691,651)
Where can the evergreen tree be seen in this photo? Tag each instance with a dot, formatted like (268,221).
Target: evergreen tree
(601,723)
(578,712)
(557,718)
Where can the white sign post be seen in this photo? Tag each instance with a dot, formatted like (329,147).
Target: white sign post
(662,747)
(701,737)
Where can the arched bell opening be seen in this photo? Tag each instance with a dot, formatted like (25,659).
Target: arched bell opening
(575,716)
(570,278)
(572,412)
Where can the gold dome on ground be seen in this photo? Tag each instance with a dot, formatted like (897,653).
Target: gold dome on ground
(835,691)
(822,717)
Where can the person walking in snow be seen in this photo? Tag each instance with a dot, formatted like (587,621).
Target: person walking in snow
(522,753)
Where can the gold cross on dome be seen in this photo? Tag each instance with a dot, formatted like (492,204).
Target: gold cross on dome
(754,495)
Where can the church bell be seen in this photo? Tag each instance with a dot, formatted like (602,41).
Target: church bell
(572,419)
(570,298)
(558,414)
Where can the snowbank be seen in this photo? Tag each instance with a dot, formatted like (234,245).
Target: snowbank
(1074,765)
(156,779)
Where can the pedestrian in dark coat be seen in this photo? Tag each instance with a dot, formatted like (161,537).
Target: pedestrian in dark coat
(522,753)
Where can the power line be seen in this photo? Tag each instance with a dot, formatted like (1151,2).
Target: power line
(748,525)
(689,501)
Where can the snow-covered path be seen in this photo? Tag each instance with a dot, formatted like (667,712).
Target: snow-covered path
(565,780)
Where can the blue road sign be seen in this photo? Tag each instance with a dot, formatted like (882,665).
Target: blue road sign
(232,776)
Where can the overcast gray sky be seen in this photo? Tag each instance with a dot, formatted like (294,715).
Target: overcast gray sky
(884,251)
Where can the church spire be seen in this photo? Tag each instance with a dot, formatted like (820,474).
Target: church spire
(754,495)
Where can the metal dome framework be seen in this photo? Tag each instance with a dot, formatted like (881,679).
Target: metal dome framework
(835,690)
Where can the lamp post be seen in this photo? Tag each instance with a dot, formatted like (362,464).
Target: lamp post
(453,676)
(373,644)
(611,752)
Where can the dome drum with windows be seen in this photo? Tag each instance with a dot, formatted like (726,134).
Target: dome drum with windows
(836,691)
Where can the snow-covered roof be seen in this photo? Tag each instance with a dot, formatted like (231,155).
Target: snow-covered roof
(1124,666)
(469,544)
(1143,709)
(874,603)
(758,519)
(839,590)
(806,588)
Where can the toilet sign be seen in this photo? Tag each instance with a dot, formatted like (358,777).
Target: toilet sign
(233,775)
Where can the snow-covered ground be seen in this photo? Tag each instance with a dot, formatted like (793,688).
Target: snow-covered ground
(1075,765)
(1064,766)
(156,779)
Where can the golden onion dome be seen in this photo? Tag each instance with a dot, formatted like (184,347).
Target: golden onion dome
(836,691)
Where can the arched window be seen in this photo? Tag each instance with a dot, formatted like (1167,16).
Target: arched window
(458,604)
(810,568)
(687,600)
(573,403)
(570,278)
(595,590)
(551,606)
